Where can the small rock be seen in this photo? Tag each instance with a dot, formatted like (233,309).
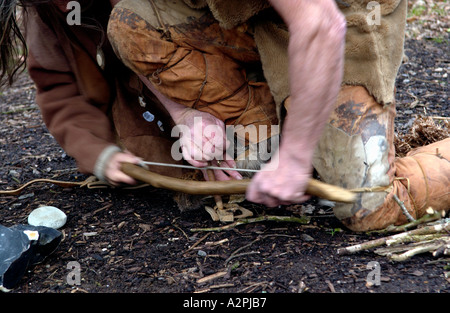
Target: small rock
(36,172)
(417,273)
(14,173)
(202,253)
(308,209)
(90,234)
(327,203)
(121,224)
(28,195)
(48,216)
(306,237)
(97,257)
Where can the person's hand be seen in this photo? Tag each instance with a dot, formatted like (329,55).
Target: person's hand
(202,136)
(113,172)
(282,181)
(203,142)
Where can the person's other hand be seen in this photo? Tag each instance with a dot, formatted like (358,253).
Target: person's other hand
(282,181)
(113,172)
(203,142)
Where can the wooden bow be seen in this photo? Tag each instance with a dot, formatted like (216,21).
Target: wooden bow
(315,187)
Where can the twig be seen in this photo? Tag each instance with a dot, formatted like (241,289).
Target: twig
(404,210)
(402,228)
(181,230)
(444,227)
(425,81)
(221,286)
(444,118)
(421,239)
(196,244)
(239,255)
(301,220)
(235,252)
(252,286)
(401,247)
(331,286)
(420,249)
(211,277)
(102,208)
(20,110)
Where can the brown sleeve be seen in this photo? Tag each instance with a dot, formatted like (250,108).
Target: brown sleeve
(82,129)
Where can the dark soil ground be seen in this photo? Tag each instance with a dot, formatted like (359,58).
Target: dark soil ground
(137,241)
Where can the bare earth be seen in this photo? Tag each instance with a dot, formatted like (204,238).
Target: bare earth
(138,242)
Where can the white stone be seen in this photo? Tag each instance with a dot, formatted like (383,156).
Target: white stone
(48,216)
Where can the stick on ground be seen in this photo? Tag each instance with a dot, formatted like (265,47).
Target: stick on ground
(301,220)
(444,227)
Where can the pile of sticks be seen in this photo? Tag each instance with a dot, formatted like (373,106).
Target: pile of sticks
(431,234)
